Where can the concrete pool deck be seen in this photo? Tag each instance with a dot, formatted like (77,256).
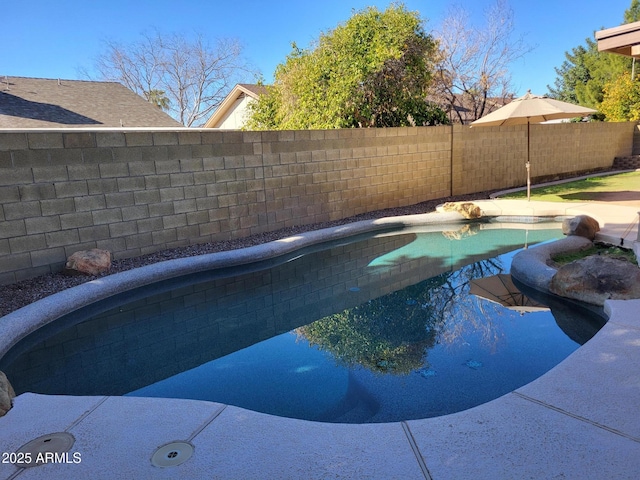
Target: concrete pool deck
(580,420)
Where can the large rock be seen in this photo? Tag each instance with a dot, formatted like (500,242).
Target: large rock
(466,209)
(88,262)
(466,230)
(6,394)
(581,226)
(597,278)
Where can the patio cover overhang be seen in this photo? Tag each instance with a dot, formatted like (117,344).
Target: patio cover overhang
(623,40)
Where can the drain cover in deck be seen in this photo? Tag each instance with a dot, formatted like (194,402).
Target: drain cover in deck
(38,451)
(172,454)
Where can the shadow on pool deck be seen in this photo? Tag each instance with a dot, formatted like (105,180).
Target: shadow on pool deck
(626,197)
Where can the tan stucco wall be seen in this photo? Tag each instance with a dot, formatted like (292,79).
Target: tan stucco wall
(135,192)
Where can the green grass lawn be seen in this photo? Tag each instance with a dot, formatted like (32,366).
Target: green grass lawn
(597,249)
(589,189)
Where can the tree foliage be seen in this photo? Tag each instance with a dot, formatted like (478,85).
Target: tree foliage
(474,62)
(390,334)
(621,101)
(394,333)
(158,98)
(632,14)
(585,74)
(371,71)
(189,78)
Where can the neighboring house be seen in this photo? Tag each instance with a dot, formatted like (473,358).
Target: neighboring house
(46,103)
(232,112)
(464,111)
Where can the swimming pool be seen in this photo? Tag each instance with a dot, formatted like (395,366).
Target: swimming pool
(274,336)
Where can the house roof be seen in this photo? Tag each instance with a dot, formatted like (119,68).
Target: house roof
(249,89)
(464,110)
(44,103)
(623,40)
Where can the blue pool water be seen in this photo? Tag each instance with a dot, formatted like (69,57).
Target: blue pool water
(383,329)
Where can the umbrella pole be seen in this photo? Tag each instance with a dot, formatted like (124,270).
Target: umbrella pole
(528,164)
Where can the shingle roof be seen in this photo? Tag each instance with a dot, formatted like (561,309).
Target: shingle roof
(257,90)
(44,103)
(464,107)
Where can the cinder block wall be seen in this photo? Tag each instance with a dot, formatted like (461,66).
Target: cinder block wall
(636,141)
(137,191)
(490,158)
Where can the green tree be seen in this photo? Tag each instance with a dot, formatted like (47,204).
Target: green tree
(572,72)
(372,71)
(585,72)
(632,14)
(158,98)
(621,102)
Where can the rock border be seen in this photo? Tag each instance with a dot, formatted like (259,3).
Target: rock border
(531,266)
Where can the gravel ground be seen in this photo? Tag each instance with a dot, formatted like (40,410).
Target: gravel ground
(22,293)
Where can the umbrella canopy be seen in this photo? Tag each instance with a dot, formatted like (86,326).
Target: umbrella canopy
(500,289)
(531,109)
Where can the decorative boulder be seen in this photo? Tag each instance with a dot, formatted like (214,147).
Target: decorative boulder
(581,226)
(88,262)
(467,230)
(597,278)
(466,209)
(6,394)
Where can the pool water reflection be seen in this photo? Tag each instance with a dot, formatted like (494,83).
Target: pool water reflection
(379,330)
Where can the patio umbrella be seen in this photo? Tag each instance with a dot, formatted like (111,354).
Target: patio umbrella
(531,109)
(500,289)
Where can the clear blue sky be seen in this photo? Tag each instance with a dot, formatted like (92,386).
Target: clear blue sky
(56,38)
